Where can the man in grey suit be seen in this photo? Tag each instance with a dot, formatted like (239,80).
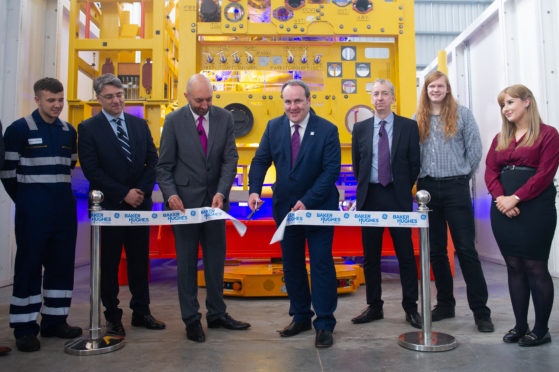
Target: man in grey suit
(197,165)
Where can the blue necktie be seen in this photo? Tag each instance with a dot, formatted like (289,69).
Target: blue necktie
(123,139)
(383,156)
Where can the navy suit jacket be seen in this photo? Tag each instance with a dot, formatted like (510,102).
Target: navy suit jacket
(104,163)
(404,159)
(314,174)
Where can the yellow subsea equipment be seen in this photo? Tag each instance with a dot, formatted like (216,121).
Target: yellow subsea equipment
(250,47)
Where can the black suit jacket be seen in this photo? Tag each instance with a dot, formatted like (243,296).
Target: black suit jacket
(104,163)
(404,159)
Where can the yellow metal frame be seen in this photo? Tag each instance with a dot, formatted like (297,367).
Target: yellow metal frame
(119,40)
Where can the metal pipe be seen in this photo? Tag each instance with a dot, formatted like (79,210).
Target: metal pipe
(87,19)
(426,340)
(95,309)
(425,278)
(95,342)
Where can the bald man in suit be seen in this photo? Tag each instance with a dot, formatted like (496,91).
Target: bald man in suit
(197,166)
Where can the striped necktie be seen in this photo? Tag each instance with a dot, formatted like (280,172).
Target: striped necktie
(123,139)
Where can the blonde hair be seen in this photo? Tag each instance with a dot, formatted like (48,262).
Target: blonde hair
(508,128)
(449,112)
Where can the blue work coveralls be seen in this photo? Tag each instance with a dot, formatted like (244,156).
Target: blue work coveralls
(37,176)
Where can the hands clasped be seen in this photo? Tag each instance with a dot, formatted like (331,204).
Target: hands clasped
(507,205)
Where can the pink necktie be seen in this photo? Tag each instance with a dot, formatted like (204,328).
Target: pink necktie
(202,133)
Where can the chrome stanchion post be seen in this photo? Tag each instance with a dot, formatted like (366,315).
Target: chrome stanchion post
(426,340)
(96,342)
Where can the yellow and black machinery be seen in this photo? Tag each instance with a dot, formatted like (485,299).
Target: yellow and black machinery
(248,49)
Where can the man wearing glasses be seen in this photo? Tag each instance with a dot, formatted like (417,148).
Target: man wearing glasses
(118,157)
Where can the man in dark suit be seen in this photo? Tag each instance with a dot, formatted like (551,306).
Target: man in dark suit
(197,167)
(118,157)
(305,150)
(385,150)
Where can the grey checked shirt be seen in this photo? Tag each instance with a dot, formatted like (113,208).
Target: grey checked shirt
(459,155)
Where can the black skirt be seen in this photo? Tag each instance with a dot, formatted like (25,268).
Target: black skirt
(528,235)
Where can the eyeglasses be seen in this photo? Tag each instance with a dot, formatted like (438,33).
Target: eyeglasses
(109,97)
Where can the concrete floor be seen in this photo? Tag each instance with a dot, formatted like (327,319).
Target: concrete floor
(368,347)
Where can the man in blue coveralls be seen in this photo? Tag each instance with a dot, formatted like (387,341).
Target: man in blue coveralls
(40,156)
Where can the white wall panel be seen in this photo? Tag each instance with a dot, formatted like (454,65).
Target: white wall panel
(513,41)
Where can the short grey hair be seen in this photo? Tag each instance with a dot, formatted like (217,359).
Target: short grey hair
(106,79)
(198,77)
(387,82)
(297,83)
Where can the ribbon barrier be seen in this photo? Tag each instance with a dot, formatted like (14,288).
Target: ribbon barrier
(98,343)
(350,218)
(150,218)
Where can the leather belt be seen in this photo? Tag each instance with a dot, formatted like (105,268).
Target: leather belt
(517,167)
(440,179)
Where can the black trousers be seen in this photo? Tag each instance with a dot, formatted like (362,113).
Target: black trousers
(136,245)
(451,203)
(381,198)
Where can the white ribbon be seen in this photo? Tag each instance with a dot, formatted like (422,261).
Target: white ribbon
(150,218)
(350,218)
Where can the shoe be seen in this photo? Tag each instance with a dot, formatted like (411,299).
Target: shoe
(530,339)
(442,312)
(147,321)
(28,343)
(63,330)
(227,322)
(368,315)
(414,319)
(115,329)
(4,350)
(295,328)
(485,325)
(323,338)
(513,336)
(195,332)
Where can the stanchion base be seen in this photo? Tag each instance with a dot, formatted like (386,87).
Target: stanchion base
(88,346)
(439,341)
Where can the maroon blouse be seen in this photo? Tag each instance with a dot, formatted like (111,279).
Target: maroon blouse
(543,155)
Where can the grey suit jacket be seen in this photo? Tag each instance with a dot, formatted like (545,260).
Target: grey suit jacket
(183,168)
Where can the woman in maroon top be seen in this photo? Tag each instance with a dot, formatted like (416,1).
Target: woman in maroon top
(521,164)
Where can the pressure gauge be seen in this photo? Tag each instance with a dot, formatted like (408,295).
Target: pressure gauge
(348,53)
(362,70)
(234,12)
(283,14)
(334,69)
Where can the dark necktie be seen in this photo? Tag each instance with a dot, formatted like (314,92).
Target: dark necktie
(202,133)
(295,144)
(123,139)
(383,156)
